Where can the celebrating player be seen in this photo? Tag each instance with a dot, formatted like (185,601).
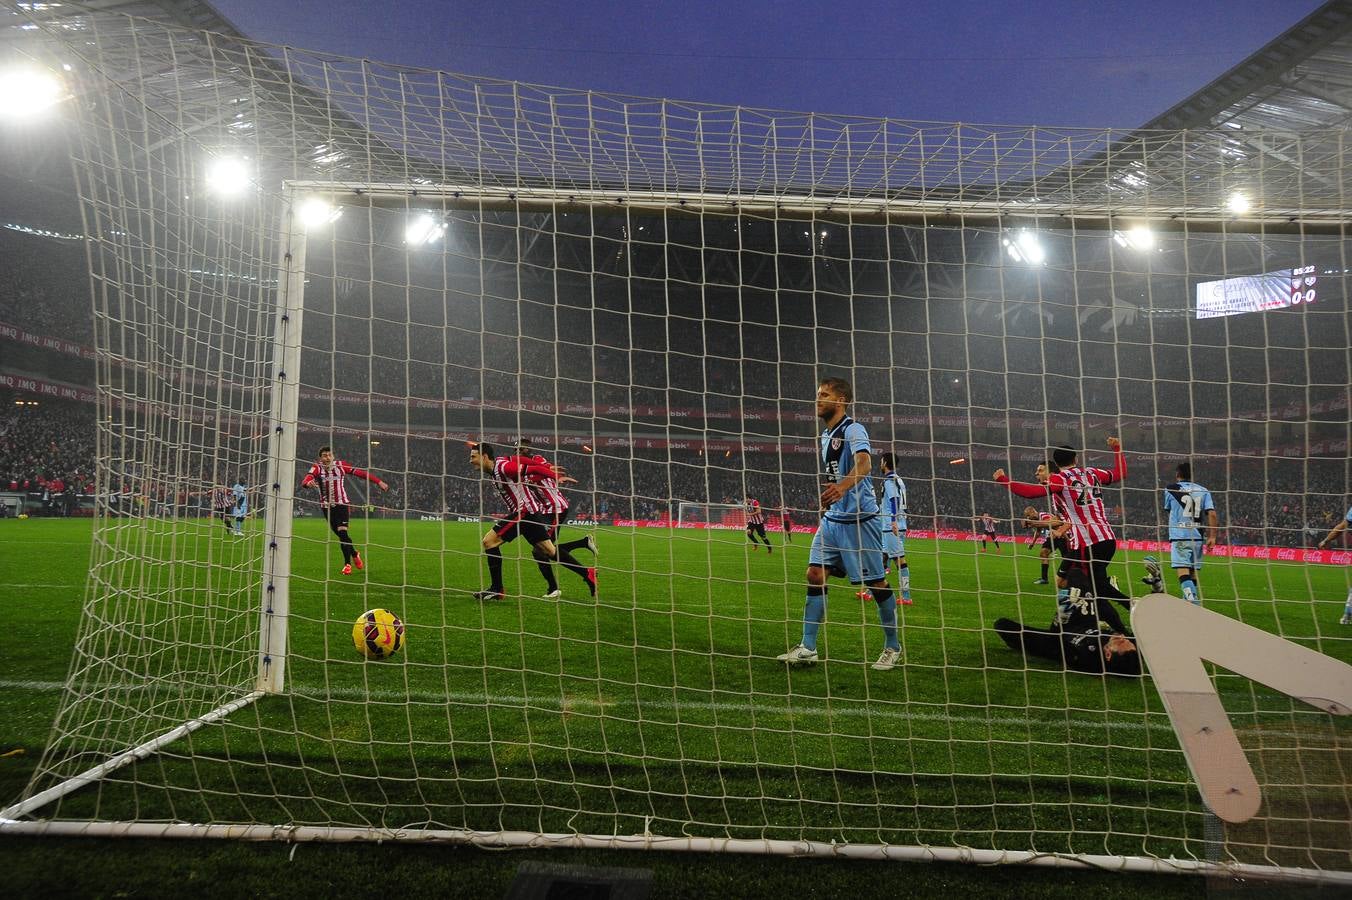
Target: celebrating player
(1328,539)
(786,523)
(555,512)
(222,500)
(849,540)
(329,475)
(988,532)
(1188,505)
(755,524)
(1049,532)
(1077,495)
(894,524)
(524,517)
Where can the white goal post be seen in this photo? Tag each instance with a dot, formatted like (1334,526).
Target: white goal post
(647,294)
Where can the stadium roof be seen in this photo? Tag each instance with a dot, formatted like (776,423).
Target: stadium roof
(1275,124)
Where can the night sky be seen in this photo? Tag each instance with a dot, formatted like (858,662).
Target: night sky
(1057,62)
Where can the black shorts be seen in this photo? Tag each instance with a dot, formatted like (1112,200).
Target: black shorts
(338,515)
(554,521)
(1047,544)
(1060,545)
(529,526)
(758,528)
(990,536)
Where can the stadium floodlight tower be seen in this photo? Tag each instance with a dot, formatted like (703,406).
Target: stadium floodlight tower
(653,291)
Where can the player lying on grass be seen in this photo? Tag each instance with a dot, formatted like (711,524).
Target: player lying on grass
(1080,643)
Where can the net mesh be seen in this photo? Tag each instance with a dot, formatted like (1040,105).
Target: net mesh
(650,291)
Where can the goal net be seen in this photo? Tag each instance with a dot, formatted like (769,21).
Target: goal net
(710,515)
(650,292)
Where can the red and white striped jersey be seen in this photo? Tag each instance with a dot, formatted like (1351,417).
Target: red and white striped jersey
(988,524)
(332,481)
(552,500)
(1045,518)
(1077,493)
(754,514)
(509,477)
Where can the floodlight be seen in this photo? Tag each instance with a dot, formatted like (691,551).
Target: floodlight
(1026,248)
(1138,237)
(227,175)
(423,230)
(1238,203)
(316,212)
(27,93)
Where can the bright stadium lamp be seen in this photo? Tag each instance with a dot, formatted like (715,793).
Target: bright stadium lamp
(1238,203)
(28,93)
(423,230)
(227,176)
(316,212)
(1024,247)
(1138,237)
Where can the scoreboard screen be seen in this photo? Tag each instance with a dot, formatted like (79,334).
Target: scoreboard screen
(1255,293)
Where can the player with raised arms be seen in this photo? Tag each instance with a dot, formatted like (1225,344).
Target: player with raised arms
(330,476)
(849,541)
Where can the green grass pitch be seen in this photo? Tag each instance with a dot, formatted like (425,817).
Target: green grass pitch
(658,706)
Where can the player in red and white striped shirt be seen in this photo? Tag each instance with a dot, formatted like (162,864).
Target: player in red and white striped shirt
(555,512)
(330,475)
(1077,494)
(513,477)
(755,524)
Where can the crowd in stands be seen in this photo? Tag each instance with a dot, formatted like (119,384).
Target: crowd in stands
(47,450)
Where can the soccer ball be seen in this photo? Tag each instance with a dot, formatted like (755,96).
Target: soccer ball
(378,634)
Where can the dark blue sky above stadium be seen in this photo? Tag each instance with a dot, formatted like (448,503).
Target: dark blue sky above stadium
(1048,63)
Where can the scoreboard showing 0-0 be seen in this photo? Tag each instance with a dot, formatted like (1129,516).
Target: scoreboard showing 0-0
(1255,293)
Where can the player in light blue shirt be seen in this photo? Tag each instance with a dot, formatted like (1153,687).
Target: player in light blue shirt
(239,496)
(848,541)
(894,524)
(1190,508)
(1338,529)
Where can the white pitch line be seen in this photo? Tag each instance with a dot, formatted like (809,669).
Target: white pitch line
(574,703)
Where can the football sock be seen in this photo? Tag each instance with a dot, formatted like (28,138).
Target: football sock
(546,569)
(887,614)
(814,611)
(1190,592)
(494,568)
(1044,571)
(579,544)
(905,572)
(345,542)
(572,565)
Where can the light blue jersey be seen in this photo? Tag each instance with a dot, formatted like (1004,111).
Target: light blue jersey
(1187,504)
(838,448)
(1348,517)
(894,500)
(240,497)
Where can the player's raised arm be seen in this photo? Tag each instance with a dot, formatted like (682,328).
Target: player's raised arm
(1119,469)
(1020,488)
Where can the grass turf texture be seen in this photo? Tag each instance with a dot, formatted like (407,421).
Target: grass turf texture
(660,703)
